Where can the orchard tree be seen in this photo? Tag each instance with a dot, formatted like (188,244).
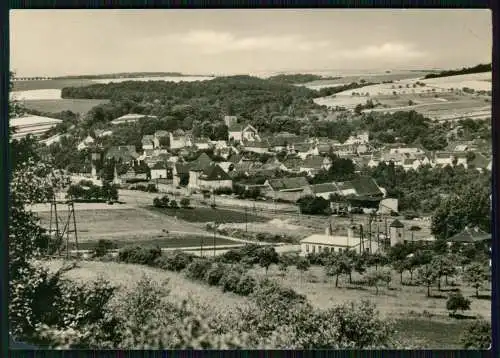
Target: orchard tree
(426,275)
(302,265)
(267,257)
(338,265)
(475,275)
(443,266)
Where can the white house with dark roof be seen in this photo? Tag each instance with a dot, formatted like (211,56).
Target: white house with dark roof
(288,189)
(148,142)
(179,139)
(314,164)
(243,132)
(159,171)
(214,177)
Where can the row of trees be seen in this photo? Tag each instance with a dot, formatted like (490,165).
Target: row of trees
(88,191)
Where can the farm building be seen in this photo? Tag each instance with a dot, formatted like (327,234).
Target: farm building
(123,154)
(322,190)
(315,164)
(287,189)
(256,146)
(34,125)
(180,171)
(327,242)
(159,171)
(214,177)
(130,118)
(196,168)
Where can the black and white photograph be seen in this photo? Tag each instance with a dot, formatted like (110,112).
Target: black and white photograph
(250,179)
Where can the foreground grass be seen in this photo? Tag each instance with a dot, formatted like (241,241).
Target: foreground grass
(197,215)
(431,334)
(127,276)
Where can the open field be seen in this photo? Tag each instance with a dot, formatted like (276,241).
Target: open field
(373,77)
(203,215)
(58,105)
(127,276)
(132,224)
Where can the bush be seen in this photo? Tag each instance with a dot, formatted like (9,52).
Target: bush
(246,285)
(139,255)
(174,205)
(198,268)
(214,274)
(174,261)
(457,301)
(185,202)
(225,191)
(102,247)
(231,257)
(477,336)
(230,280)
(151,188)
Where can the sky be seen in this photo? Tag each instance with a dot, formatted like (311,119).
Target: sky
(77,42)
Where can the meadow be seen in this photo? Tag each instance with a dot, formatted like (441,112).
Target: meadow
(203,215)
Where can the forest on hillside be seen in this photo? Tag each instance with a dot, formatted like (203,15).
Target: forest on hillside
(464,71)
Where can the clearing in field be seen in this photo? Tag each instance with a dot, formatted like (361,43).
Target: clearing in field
(133,224)
(203,215)
(81,106)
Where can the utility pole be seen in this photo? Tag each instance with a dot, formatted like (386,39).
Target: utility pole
(201,247)
(215,232)
(370,231)
(246,219)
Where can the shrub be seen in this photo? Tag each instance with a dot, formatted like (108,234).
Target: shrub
(477,336)
(102,247)
(174,205)
(246,285)
(231,256)
(197,269)
(225,191)
(230,280)
(214,274)
(139,255)
(174,261)
(185,202)
(456,301)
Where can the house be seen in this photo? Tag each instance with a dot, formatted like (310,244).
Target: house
(179,139)
(272,165)
(361,138)
(314,164)
(85,143)
(287,189)
(361,192)
(362,148)
(238,132)
(100,133)
(122,154)
(202,143)
(442,159)
(411,163)
(304,149)
(323,190)
(292,164)
(245,168)
(230,120)
(235,158)
(388,205)
(406,150)
(159,171)
(327,242)
(460,158)
(256,146)
(131,175)
(148,142)
(226,166)
(180,172)
(161,138)
(214,177)
(130,118)
(196,168)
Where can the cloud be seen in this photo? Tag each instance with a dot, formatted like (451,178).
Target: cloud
(212,42)
(388,51)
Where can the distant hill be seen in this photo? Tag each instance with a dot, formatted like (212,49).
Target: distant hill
(464,71)
(127,75)
(299,78)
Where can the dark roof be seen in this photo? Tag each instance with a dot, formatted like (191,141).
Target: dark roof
(214,172)
(292,163)
(160,165)
(124,153)
(397,224)
(200,163)
(236,127)
(182,168)
(302,147)
(235,158)
(288,183)
(366,186)
(323,188)
(470,235)
(315,162)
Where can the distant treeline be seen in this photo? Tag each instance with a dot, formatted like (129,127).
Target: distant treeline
(126,75)
(299,78)
(328,91)
(464,71)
